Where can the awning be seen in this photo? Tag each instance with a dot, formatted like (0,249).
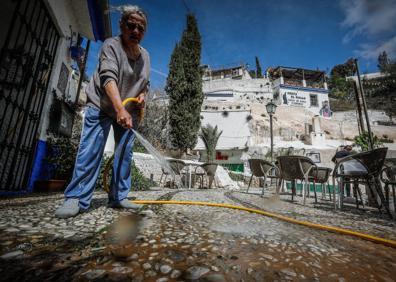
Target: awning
(92,18)
(100,18)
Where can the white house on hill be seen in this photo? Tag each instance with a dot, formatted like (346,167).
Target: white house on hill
(234,140)
(234,84)
(302,88)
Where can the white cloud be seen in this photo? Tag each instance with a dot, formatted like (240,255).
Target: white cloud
(371,51)
(159,72)
(373,21)
(368,17)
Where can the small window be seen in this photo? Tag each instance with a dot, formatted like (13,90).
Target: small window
(314,100)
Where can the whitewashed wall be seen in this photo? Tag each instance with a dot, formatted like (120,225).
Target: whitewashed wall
(301,97)
(238,88)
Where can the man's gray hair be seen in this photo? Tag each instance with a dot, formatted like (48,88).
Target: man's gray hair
(127,10)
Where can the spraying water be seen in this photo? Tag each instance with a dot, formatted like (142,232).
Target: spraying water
(157,155)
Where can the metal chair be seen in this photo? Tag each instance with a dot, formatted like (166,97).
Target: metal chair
(388,177)
(262,168)
(177,167)
(363,168)
(294,168)
(206,171)
(321,175)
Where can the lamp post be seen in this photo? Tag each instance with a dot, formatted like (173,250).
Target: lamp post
(271,108)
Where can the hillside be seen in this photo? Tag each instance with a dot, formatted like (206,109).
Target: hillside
(290,121)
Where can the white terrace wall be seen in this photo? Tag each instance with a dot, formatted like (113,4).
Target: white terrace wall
(237,89)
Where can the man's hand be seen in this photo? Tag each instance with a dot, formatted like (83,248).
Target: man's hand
(124,118)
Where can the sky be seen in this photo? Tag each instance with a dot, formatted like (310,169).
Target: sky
(312,34)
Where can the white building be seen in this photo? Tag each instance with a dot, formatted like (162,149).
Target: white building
(37,41)
(368,76)
(234,140)
(288,86)
(234,84)
(302,88)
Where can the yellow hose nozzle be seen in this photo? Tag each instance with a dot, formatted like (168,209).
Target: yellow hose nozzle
(136,101)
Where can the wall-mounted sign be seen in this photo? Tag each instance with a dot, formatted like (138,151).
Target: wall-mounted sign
(294,99)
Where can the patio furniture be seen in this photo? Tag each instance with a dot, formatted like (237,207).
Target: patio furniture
(290,151)
(363,168)
(262,168)
(177,167)
(294,168)
(321,175)
(188,176)
(388,177)
(206,171)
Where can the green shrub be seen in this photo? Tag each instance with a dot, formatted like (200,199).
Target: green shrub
(386,140)
(139,148)
(62,156)
(139,181)
(363,141)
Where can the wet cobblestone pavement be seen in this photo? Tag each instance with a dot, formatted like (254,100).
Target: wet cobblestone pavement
(191,243)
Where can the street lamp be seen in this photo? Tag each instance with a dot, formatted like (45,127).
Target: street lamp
(271,108)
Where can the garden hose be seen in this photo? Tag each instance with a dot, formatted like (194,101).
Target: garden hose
(135,100)
(375,239)
(110,160)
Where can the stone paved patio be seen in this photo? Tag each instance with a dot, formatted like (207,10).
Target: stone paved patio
(191,243)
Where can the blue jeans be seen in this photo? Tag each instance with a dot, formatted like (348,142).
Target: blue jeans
(87,167)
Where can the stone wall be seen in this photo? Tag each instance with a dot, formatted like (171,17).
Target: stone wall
(148,166)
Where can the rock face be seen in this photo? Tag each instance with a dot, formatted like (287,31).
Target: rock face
(148,166)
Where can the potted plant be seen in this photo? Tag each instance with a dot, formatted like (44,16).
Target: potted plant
(61,154)
(210,136)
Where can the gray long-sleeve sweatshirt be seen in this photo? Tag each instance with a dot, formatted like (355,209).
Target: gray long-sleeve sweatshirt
(131,76)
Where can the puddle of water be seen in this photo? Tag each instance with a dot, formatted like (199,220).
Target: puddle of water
(154,152)
(124,230)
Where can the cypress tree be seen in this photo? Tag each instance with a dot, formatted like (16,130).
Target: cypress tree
(383,61)
(258,69)
(184,87)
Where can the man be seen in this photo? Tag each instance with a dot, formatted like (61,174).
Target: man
(346,151)
(123,72)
